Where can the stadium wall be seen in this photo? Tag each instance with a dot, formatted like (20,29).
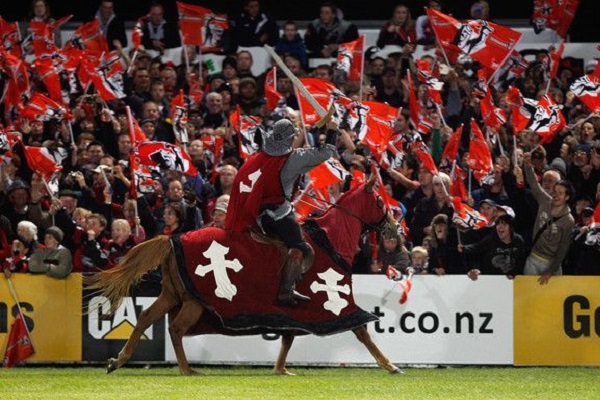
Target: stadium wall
(446,320)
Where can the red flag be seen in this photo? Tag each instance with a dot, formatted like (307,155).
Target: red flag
(89,37)
(521,109)
(136,134)
(327,173)
(10,37)
(309,201)
(553,14)
(43,108)
(245,126)
(453,145)
(18,346)
(427,78)
(587,89)
(42,160)
(484,41)
(106,72)
(200,26)
(138,33)
(420,150)
(350,58)
(179,117)
(493,117)
(49,75)
(546,120)
(165,156)
(272,96)
(554,59)
(458,188)
(358,178)
(18,89)
(196,94)
(322,92)
(466,217)
(513,68)
(413,103)
(480,157)
(380,125)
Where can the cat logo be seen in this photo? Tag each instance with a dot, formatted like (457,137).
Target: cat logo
(119,326)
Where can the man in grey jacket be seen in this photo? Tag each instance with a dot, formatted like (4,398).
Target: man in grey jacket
(53,260)
(553,226)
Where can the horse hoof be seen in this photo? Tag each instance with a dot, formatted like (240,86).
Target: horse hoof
(112,365)
(397,371)
(283,371)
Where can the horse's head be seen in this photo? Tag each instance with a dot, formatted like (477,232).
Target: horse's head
(367,206)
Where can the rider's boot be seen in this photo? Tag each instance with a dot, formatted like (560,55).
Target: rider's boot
(295,264)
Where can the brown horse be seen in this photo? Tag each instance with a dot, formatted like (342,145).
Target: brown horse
(203,291)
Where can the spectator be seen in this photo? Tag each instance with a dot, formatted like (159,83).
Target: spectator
(399,30)
(324,34)
(173,219)
(480,10)
(39,12)
(391,252)
(423,29)
(428,207)
(292,43)
(111,26)
(53,260)
(157,33)
(443,255)
(220,212)
(253,27)
(24,246)
(19,208)
(419,260)
(553,226)
(121,241)
(502,251)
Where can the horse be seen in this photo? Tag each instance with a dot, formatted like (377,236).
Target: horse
(220,281)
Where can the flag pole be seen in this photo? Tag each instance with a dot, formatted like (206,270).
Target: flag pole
(185,54)
(516,159)
(438,38)
(13,293)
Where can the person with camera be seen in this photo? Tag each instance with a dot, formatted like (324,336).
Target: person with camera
(54,260)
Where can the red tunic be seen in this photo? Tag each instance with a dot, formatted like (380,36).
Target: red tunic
(257,183)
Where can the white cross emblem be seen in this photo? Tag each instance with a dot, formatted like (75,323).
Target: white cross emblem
(334,302)
(218,264)
(253,178)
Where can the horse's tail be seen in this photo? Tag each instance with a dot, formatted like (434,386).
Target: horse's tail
(116,282)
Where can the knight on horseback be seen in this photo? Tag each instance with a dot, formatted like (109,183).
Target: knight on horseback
(262,193)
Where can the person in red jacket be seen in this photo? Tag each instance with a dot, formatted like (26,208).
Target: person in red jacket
(262,192)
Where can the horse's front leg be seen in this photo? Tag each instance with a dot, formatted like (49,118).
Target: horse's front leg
(287,339)
(158,309)
(363,335)
(190,313)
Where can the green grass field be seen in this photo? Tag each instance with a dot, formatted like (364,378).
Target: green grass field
(319,383)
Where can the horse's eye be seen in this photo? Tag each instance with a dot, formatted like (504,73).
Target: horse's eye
(379,202)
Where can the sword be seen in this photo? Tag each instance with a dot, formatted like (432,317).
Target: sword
(325,115)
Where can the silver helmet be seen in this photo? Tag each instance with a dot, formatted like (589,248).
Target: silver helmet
(278,141)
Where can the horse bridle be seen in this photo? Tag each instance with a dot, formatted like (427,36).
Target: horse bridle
(377,226)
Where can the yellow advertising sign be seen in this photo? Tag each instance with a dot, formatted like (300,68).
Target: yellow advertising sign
(558,323)
(52,310)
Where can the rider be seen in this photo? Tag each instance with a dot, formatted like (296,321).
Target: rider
(262,192)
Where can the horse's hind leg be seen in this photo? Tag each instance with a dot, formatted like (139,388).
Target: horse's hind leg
(363,335)
(287,339)
(190,313)
(158,309)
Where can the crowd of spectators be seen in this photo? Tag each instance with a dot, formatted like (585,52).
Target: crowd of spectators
(538,202)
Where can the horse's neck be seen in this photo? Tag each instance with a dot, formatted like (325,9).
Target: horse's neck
(343,231)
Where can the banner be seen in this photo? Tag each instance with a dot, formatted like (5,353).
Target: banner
(558,323)
(52,310)
(446,320)
(104,336)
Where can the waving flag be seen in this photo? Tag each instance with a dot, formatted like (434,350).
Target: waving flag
(546,120)
(493,117)
(553,14)
(136,135)
(41,160)
(165,156)
(42,108)
(480,157)
(465,216)
(309,201)
(484,41)
(453,145)
(380,125)
(18,346)
(587,89)
(179,117)
(350,58)
(513,68)
(427,78)
(89,37)
(10,37)
(521,109)
(420,150)
(137,33)
(200,26)
(327,173)
(106,73)
(457,188)
(272,96)
(322,91)
(246,127)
